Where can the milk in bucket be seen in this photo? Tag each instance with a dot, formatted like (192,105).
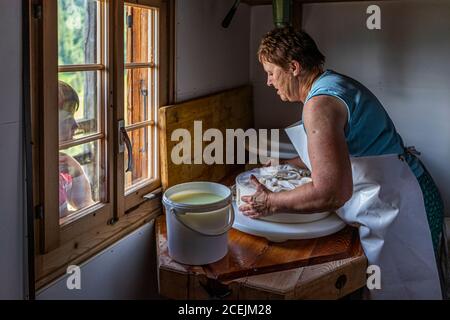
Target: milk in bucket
(198,217)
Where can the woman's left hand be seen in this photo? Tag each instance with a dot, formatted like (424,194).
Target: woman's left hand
(258,204)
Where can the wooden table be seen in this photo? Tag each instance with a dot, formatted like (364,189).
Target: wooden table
(330,267)
(254,268)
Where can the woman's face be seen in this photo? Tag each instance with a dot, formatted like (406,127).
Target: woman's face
(286,84)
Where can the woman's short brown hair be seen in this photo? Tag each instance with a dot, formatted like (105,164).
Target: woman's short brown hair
(282,45)
(67,97)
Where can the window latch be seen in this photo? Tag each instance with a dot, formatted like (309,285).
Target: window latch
(153,195)
(124,140)
(129,21)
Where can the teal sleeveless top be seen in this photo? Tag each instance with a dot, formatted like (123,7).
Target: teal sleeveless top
(369,130)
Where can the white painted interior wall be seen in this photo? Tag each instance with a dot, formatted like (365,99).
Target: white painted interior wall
(126,270)
(405,64)
(210,58)
(269,111)
(11,173)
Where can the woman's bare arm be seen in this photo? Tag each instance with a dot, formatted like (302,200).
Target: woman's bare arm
(324,118)
(296,162)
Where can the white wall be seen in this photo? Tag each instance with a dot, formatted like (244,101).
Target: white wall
(210,58)
(126,270)
(269,110)
(406,64)
(11,191)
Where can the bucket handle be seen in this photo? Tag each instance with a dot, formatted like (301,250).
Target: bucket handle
(227,227)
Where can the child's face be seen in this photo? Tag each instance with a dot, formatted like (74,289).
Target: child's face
(67,125)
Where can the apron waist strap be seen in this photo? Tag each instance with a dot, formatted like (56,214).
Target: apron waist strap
(408,153)
(411,151)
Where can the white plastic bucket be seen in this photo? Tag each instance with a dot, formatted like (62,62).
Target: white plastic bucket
(198,233)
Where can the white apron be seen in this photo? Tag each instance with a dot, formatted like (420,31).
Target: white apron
(387,205)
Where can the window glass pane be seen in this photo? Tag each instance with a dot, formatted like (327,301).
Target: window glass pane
(142,152)
(78,104)
(138,95)
(139,26)
(78,28)
(81,178)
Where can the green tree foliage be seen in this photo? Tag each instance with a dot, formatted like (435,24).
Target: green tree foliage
(71,31)
(77,45)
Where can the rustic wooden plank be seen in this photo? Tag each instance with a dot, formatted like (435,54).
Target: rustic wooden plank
(173,284)
(322,281)
(343,244)
(280,283)
(243,253)
(245,291)
(250,255)
(231,109)
(332,280)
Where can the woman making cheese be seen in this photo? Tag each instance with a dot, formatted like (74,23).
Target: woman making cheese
(359,167)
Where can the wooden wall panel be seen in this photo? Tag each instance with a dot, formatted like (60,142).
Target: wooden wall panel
(229,109)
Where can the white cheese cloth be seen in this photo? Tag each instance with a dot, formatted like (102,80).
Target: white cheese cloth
(279,178)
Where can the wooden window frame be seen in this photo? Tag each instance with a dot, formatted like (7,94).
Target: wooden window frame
(134,195)
(101,211)
(58,246)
